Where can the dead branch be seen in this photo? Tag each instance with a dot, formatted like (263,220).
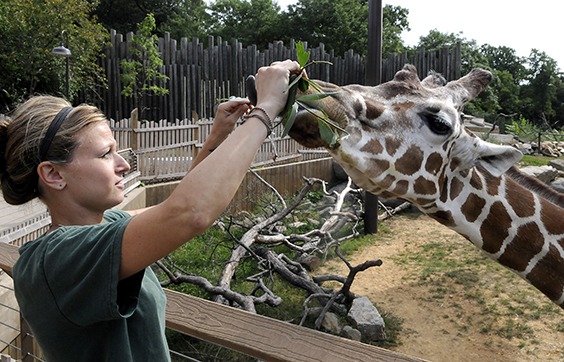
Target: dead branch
(250,236)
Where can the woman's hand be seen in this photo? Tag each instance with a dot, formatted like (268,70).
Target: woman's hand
(227,115)
(272,86)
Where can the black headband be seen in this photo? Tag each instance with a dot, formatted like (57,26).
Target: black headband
(52,131)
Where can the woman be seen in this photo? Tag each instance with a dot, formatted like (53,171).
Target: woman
(85,287)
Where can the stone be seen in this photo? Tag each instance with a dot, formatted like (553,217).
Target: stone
(557,164)
(351,333)
(545,174)
(364,316)
(331,323)
(558,185)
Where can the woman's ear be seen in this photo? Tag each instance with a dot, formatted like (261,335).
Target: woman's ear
(50,176)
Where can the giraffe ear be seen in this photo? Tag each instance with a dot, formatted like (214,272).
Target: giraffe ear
(497,159)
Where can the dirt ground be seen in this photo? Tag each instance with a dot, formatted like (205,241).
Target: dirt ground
(455,303)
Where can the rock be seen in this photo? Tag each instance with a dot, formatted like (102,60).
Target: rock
(364,316)
(351,333)
(558,185)
(545,174)
(557,164)
(331,323)
(310,262)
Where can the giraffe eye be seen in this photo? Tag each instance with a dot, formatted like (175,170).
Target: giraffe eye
(436,123)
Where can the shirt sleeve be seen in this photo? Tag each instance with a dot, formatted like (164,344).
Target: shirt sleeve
(81,265)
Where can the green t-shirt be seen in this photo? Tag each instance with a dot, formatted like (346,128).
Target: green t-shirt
(68,289)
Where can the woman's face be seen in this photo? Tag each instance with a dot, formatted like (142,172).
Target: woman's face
(94,177)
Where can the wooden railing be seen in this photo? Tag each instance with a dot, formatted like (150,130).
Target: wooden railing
(251,334)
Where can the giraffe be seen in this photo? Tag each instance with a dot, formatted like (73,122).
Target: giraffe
(405,139)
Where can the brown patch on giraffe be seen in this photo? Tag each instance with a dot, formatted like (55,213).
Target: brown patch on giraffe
(495,228)
(392,145)
(492,184)
(377,166)
(444,190)
(387,182)
(551,218)
(476,182)
(521,202)
(547,279)
(472,207)
(454,163)
(401,187)
(374,109)
(444,217)
(523,243)
(373,146)
(411,161)
(422,186)
(434,163)
(456,187)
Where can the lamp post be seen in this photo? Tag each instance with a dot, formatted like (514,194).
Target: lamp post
(62,51)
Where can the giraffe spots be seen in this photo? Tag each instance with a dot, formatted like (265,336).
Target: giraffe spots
(523,247)
(373,146)
(476,182)
(434,163)
(401,187)
(444,217)
(472,207)
(456,187)
(551,218)
(495,228)
(392,145)
(493,184)
(411,161)
(547,276)
(422,186)
(444,191)
(373,109)
(387,182)
(377,166)
(521,202)
(454,164)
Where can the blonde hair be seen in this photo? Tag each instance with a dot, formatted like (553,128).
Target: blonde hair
(22,134)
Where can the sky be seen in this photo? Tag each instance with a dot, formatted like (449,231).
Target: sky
(521,25)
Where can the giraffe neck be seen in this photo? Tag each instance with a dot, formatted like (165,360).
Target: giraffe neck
(513,220)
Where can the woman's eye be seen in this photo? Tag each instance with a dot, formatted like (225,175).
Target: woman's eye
(437,124)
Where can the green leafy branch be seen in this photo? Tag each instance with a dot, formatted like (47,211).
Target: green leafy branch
(327,128)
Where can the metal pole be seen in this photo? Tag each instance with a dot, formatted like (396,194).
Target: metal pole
(68,78)
(373,77)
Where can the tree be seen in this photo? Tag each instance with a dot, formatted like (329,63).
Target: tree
(30,30)
(339,24)
(142,71)
(189,19)
(540,90)
(394,23)
(250,22)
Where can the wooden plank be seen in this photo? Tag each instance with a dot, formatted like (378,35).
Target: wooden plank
(265,338)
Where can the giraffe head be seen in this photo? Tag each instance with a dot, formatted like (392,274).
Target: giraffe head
(405,136)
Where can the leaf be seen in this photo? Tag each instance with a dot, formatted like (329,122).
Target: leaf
(290,117)
(309,98)
(303,84)
(327,133)
(303,56)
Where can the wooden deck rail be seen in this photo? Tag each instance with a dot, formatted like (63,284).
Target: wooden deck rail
(251,334)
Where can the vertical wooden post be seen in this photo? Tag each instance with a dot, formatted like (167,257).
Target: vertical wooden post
(196,119)
(133,125)
(26,341)
(373,77)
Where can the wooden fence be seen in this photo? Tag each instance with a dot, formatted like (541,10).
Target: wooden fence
(164,151)
(250,334)
(199,76)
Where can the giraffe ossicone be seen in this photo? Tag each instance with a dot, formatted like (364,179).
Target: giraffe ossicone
(405,139)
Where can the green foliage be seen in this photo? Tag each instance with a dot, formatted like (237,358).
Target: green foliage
(30,30)
(523,128)
(141,72)
(251,22)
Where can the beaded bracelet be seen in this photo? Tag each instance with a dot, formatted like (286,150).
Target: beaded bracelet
(265,120)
